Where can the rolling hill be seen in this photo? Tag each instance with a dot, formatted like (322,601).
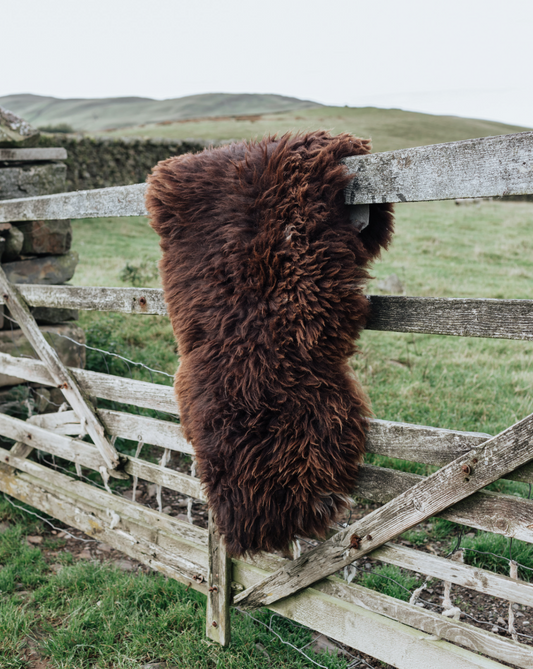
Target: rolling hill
(389,128)
(96,115)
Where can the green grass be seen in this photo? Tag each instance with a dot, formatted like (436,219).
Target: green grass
(389,129)
(491,547)
(91,616)
(390,580)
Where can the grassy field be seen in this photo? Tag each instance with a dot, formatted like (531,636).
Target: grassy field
(388,128)
(82,615)
(439,249)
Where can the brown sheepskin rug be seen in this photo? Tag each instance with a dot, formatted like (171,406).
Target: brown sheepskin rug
(263,270)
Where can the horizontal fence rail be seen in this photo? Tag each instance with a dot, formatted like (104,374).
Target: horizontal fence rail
(97,203)
(343,611)
(485,167)
(463,317)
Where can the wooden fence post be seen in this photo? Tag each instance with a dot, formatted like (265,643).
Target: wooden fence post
(219,587)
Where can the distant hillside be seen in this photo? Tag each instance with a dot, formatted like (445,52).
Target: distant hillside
(102,114)
(389,129)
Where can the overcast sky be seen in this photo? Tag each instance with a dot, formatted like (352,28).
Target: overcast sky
(463,57)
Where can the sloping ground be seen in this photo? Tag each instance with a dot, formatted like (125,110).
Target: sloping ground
(99,114)
(389,128)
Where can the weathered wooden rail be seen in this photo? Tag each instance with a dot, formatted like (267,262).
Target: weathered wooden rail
(305,589)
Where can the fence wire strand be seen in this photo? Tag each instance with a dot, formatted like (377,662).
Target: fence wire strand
(354,661)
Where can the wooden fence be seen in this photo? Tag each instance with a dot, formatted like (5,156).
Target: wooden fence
(304,589)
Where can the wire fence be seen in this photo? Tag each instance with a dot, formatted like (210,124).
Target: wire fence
(353,573)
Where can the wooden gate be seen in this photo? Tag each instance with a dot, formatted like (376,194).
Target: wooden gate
(303,589)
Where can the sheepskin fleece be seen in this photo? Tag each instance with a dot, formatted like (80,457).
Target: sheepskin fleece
(263,275)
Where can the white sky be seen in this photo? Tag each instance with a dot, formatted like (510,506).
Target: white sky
(464,57)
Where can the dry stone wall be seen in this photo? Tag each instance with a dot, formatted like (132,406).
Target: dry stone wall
(99,162)
(34,252)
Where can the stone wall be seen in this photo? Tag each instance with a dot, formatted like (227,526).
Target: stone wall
(99,162)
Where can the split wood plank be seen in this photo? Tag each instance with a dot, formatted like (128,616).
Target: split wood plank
(474,578)
(148,301)
(459,479)
(420,443)
(97,516)
(219,574)
(460,317)
(127,391)
(33,154)
(70,503)
(464,317)
(168,478)
(96,203)
(471,637)
(151,520)
(87,455)
(484,510)
(59,373)
(35,437)
(386,639)
(152,431)
(484,167)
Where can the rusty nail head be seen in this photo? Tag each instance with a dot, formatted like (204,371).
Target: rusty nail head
(369,537)
(214,623)
(466,469)
(474,461)
(354,541)
(142,301)
(213,588)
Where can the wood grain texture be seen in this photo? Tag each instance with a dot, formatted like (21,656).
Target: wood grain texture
(485,167)
(60,374)
(451,484)
(177,549)
(86,455)
(97,203)
(168,478)
(120,424)
(488,511)
(463,317)
(95,298)
(473,638)
(151,520)
(33,154)
(73,450)
(459,573)
(158,545)
(219,575)
(109,387)
(381,637)
(420,443)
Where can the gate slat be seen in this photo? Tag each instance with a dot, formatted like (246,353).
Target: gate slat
(451,484)
(485,167)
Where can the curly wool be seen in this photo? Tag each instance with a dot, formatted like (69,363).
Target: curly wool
(263,274)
